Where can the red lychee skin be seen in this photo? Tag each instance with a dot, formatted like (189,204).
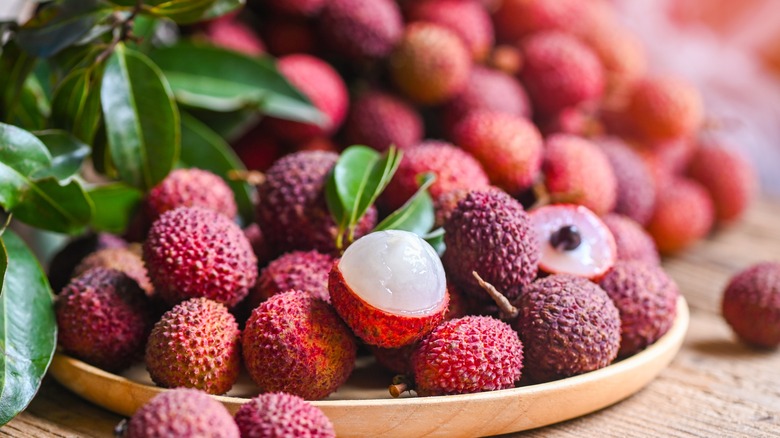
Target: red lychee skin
(302,270)
(728,177)
(635,183)
(259,245)
(302,335)
(122,259)
(185,413)
(468,19)
(631,240)
(454,169)
(666,159)
(361,29)
(467,355)
(568,326)
(230,33)
(559,72)
(317,80)
(292,212)
(487,89)
(258,149)
(103,318)
(279,414)
(378,120)
(196,344)
(395,360)
(751,304)
(191,188)
(684,214)
(285,35)
(375,326)
(194,252)
(508,147)
(445,204)
(646,298)
(430,64)
(663,108)
(298,8)
(578,171)
(516,19)
(620,52)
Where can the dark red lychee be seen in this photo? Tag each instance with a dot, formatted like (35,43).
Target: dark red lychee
(379,120)
(516,19)
(751,304)
(280,414)
(301,270)
(631,240)
(361,28)
(468,19)
(635,184)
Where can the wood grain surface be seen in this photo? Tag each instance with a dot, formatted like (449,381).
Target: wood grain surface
(714,387)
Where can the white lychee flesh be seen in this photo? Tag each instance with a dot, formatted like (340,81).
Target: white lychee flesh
(395,271)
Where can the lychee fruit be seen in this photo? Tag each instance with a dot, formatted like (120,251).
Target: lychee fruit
(516,19)
(284,35)
(568,326)
(65,260)
(469,20)
(122,259)
(631,239)
(579,172)
(396,360)
(751,304)
(573,240)
(182,412)
(445,204)
(728,177)
(621,54)
(280,414)
(296,343)
(390,288)
(509,147)
(467,355)
(454,169)
(664,108)
(103,318)
(257,148)
(506,58)
(298,8)
(489,232)
(303,270)
(326,90)
(684,214)
(191,188)
(635,183)
(559,72)
(195,345)
(258,243)
(646,298)
(292,211)
(231,33)
(380,120)
(430,64)
(196,252)
(361,29)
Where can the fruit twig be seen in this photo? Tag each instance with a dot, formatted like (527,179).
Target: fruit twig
(400,385)
(508,311)
(124,32)
(252,177)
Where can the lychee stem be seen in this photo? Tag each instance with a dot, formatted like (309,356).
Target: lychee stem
(252,177)
(508,311)
(398,389)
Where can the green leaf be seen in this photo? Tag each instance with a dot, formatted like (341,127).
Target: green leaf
(436,239)
(141,118)
(21,154)
(49,205)
(229,125)
(222,80)
(68,154)
(33,107)
(15,67)
(76,103)
(222,7)
(114,206)
(28,329)
(205,149)
(180,11)
(60,25)
(416,215)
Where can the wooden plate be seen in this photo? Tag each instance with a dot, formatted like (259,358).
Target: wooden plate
(363,407)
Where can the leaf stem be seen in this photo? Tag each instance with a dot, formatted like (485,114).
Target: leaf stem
(7,222)
(122,33)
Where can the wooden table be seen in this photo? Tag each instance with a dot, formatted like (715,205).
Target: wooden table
(714,387)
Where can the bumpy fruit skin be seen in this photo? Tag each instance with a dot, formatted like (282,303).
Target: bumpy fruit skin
(467,355)
(279,414)
(568,326)
(121,259)
(471,234)
(663,108)
(684,213)
(292,211)
(454,169)
(66,259)
(646,298)
(195,345)
(430,64)
(300,8)
(185,413)
(296,343)
(379,120)
(191,188)
(516,19)
(728,177)
(395,360)
(231,33)
(635,183)
(103,318)
(373,325)
(304,270)
(577,171)
(469,20)
(751,304)
(509,147)
(559,72)
(631,240)
(361,28)
(195,252)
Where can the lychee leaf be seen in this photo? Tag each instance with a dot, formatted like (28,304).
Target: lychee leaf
(114,206)
(436,239)
(21,154)
(416,215)
(222,7)
(67,152)
(48,204)
(75,105)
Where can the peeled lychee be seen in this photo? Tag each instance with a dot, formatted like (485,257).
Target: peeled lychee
(468,19)
(631,240)
(467,355)
(635,184)
(122,259)
(303,270)
(296,343)
(380,120)
(195,345)
(646,298)
(516,19)
(195,252)
(280,414)
(361,28)
(664,108)
(390,288)
(751,304)
(191,188)
(185,413)
(684,213)
(568,326)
